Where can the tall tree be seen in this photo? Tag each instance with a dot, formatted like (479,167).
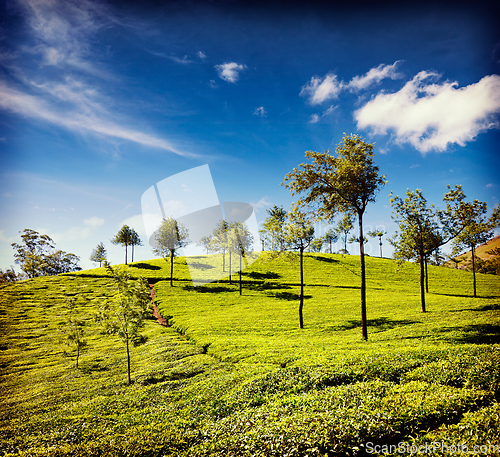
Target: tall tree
(344,226)
(331,236)
(99,254)
(240,241)
(123,316)
(124,238)
(316,245)
(299,233)
(478,231)
(219,241)
(206,243)
(170,237)
(36,256)
(342,183)
(273,228)
(378,234)
(423,229)
(135,240)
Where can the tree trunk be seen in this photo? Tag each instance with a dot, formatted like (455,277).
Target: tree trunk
(301,304)
(132,253)
(426,275)
(240,273)
(128,363)
(364,326)
(380,239)
(422,278)
(474,271)
(126,252)
(223,260)
(230,268)
(171,268)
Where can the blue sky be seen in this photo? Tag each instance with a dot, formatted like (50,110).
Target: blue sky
(101,100)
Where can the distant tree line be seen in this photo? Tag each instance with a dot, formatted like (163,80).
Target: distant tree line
(36,255)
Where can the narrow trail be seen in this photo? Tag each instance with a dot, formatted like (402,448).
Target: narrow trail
(161,320)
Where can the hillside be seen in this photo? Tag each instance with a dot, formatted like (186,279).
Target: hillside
(481,251)
(234,375)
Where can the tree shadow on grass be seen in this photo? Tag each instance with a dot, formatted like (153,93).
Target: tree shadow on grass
(145,266)
(290,296)
(472,334)
(208,289)
(464,296)
(262,286)
(259,275)
(327,259)
(381,324)
(201,266)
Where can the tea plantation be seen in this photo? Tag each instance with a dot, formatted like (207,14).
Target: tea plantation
(233,375)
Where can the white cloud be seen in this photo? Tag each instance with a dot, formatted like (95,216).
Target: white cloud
(202,55)
(374,76)
(185,60)
(320,89)
(7,239)
(230,71)
(260,111)
(61,35)
(90,121)
(262,203)
(316,117)
(430,116)
(93,222)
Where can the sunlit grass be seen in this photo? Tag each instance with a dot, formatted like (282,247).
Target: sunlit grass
(234,375)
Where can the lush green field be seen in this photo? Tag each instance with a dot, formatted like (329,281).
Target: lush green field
(234,375)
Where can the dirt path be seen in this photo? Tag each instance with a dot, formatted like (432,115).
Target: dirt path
(161,320)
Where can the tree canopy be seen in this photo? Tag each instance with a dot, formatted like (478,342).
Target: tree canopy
(170,237)
(36,256)
(346,182)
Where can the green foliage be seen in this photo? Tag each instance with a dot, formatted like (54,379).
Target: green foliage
(8,275)
(233,376)
(124,315)
(345,183)
(126,236)
(99,254)
(74,330)
(36,257)
(272,231)
(170,237)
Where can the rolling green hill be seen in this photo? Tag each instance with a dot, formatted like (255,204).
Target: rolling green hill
(481,252)
(234,375)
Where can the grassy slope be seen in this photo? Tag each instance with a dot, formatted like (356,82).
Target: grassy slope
(481,251)
(235,376)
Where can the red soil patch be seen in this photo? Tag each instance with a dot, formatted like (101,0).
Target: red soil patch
(161,320)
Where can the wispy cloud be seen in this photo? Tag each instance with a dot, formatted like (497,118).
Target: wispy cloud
(93,221)
(260,111)
(430,116)
(374,76)
(185,60)
(264,202)
(316,117)
(60,34)
(319,90)
(230,71)
(34,107)
(202,55)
